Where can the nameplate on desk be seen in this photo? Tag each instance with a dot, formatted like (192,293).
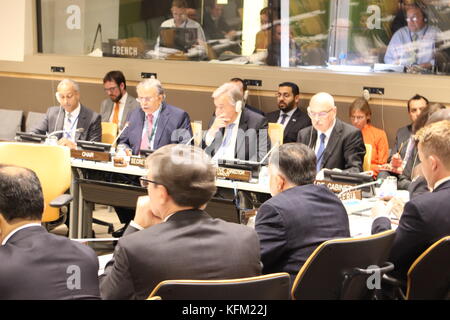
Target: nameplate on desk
(90,155)
(338,187)
(137,161)
(234,174)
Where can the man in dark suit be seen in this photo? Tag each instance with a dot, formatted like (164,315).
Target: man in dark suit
(300,215)
(336,143)
(120,103)
(289,115)
(235,133)
(425,218)
(172,237)
(35,264)
(153,125)
(156,123)
(77,121)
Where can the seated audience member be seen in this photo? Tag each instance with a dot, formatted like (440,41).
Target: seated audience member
(172,237)
(244,91)
(360,115)
(155,123)
(274,50)
(264,36)
(234,133)
(35,264)
(289,115)
(300,215)
(336,143)
(180,20)
(75,120)
(414,44)
(120,103)
(425,218)
(214,23)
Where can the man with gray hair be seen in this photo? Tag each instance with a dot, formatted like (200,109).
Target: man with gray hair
(234,132)
(156,123)
(172,237)
(73,120)
(300,215)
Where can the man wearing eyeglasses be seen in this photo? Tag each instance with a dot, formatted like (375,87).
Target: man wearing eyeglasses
(155,123)
(71,119)
(172,237)
(413,46)
(120,103)
(336,144)
(289,115)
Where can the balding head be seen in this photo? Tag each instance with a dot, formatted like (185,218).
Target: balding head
(322,111)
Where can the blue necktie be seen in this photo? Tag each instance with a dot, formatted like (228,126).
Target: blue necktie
(283,118)
(225,142)
(68,133)
(320,151)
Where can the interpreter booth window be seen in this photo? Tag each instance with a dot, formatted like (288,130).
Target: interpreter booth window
(340,35)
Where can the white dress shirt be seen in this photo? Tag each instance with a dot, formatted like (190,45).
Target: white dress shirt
(71,127)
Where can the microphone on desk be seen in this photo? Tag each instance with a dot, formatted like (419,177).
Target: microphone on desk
(359,186)
(120,133)
(62,131)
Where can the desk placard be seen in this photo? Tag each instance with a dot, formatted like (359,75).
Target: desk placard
(137,161)
(90,155)
(234,174)
(338,187)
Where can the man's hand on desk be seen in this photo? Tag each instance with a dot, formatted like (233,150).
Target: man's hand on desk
(144,215)
(391,209)
(67,143)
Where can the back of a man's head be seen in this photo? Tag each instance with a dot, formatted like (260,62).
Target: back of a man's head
(186,172)
(296,162)
(434,140)
(21,195)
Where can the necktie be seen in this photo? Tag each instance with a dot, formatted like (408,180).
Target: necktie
(320,151)
(115,118)
(225,142)
(409,150)
(67,131)
(414,38)
(283,118)
(146,136)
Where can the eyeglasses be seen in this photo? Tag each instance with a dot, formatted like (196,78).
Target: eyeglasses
(413,19)
(320,115)
(282,95)
(357,118)
(110,89)
(145,182)
(146,99)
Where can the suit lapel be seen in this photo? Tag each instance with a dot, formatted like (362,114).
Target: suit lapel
(161,124)
(240,138)
(332,142)
(82,123)
(292,122)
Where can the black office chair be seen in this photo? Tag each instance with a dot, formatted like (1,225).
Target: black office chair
(428,277)
(340,269)
(273,286)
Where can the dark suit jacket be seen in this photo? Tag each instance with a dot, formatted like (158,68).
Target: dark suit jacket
(425,220)
(35,264)
(212,30)
(401,139)
(107,108)
(189,245)
(174,126)
(345,149)
(88,119)
(252,141)
(298,121)
(293,223)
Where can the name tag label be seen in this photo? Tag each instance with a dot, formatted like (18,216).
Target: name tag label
(234,174)
(138,161)
(338,187)
(91,155)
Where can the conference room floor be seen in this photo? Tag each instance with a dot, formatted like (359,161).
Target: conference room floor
(103,213)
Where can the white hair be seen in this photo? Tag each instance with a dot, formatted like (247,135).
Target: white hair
(69,82)
(231,90)
(151,83)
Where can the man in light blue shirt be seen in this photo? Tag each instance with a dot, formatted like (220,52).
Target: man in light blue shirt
(413,44)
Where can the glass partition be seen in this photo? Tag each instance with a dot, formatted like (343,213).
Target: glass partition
(340,35)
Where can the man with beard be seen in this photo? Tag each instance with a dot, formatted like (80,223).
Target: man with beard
(289,115)
(120,103)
